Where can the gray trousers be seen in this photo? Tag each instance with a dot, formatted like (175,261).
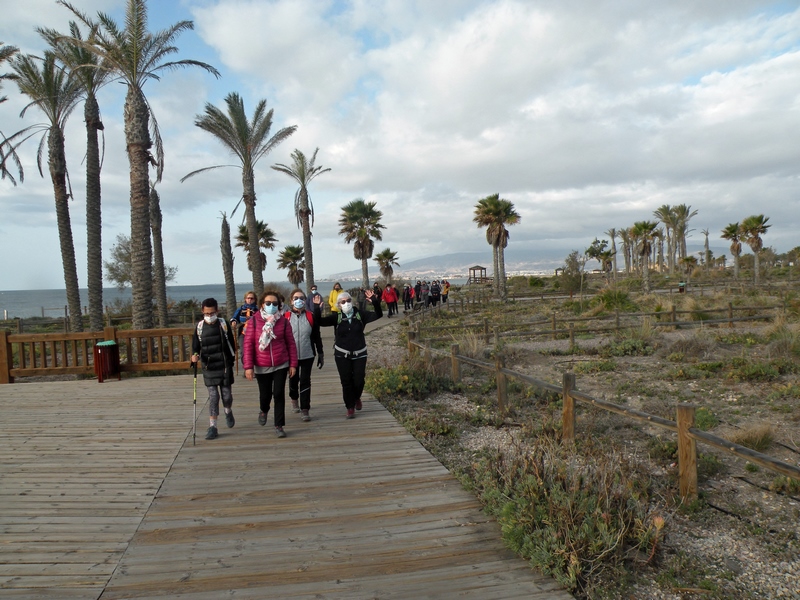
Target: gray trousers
(213,398)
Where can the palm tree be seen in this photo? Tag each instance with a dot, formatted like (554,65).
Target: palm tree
(56,94)
(249,141)
(644,232)
(733,233)
(753,227)
(291,258)
(91,78)
(665,214)
(135,55)
(303,171)
(682,214)
(266,240)
(227,265)
(706,250)
(159,270)
(624,234)
(360,223)
(495,213)
(612,233)
(385,259)
(6,52)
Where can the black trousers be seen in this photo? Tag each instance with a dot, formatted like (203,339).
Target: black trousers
(273,385)
(351,374)
(300,384)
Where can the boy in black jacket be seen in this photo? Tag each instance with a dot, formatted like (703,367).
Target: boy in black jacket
(212,344)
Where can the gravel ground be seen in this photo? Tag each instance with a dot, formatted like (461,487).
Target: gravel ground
(734,553)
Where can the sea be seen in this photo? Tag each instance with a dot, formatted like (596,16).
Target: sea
(52,303)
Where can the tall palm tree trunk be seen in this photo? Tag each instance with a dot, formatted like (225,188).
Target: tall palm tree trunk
(308,253)
(227,266)
(495,272)
(755,268)
(501,269)
(364,273)
(94,241)
(736,266)
(254,250)
(58,174)
(159,272)
(137,138)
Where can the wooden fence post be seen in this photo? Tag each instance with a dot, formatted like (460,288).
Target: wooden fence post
(674,315)
(568,411)
(412,337)
(554,324)
(454,363)
(502,383)
(687,452)
(616,319)
(6,358)
(110,334)
(486,331)
(496,330)
(427,354)
(571,337)
(730,315)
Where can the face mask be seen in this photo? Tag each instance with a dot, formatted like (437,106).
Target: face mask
(298,303)
(270,309)
(210,319)
(347,308)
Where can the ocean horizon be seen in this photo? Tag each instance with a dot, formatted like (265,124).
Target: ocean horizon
(25,304)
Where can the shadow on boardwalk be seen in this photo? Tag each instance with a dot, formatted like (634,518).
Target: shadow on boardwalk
(104,495)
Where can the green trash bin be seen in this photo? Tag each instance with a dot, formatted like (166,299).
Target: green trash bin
(682,287)
(106,360)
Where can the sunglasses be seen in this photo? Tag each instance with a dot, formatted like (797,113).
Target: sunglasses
(299,298)
(271,303)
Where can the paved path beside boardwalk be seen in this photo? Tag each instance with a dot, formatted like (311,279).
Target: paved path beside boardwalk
(104,496)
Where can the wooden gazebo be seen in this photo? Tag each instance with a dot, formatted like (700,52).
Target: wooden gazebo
(477,274)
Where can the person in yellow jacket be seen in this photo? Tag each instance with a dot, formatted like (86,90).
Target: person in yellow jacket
(334,297)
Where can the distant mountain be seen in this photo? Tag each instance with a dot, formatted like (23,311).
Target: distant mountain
(457,265)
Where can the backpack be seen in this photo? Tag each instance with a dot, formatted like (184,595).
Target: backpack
(309,316)
(339,320)
(224,326)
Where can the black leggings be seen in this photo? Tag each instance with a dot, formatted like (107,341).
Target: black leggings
(273,385)
(300,384)
(351,374)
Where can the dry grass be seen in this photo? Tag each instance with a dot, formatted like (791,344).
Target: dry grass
(757,437)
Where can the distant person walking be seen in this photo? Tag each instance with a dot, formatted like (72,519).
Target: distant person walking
(212,346)
(436,293)
(408,297)
(242,315)
(445,290)
(337,288)
(390,297)
(270,354)
(309,345)
(350,345)
(424,294)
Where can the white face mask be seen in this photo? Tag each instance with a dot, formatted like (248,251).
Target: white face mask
(210,319)
(347,308)
(270,309)
(299,303)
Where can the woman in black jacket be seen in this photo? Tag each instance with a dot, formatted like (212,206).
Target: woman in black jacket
(350,345)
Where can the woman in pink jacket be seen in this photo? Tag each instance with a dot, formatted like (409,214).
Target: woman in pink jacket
(270,354)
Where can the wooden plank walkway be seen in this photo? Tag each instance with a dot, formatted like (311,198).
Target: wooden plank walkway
(104,496)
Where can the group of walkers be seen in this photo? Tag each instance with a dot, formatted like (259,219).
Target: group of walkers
(425,293)
(277,342)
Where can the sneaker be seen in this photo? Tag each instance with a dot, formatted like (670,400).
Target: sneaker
(212,433)
(229,420)
(280,432)
(351,414)
(305,415)
(295,406)
(359,406)
(262,418)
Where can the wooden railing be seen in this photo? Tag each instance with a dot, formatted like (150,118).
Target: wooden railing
(683,426)
(41,354)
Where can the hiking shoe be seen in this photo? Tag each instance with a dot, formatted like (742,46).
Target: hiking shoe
(351,414)
(305,416)
(280,432)
(262,418)
(359,406)
(295,406)
(212,433)
(229,420)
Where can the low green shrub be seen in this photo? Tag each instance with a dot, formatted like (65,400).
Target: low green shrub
(575,514)
(595,366)
(704,419)
(614,300)
(405,380)
(627,347)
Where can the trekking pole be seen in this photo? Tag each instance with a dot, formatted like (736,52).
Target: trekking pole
(194,403)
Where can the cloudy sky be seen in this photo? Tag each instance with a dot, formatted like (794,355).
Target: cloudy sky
(586,115)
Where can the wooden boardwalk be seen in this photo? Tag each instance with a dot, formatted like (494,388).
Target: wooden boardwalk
(103,495)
